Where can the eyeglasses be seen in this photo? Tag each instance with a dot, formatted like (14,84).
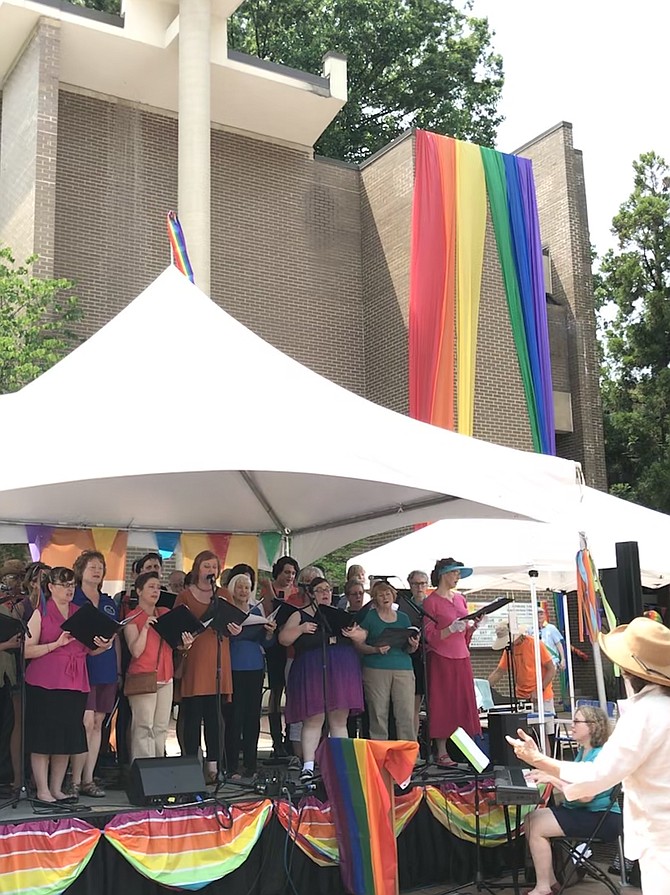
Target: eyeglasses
(579,721)
(418,584)
(649,670)
(323,590)
(62,583)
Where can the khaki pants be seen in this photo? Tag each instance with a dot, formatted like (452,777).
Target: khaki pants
(151,718)
(383,686)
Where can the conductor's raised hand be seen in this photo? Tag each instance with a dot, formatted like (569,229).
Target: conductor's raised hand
(525,747)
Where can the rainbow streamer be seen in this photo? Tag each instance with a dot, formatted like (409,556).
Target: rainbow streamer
(188,848)
(178,249)
(355,774)
(589,591)
(453,805)
(452,183)
(46,857)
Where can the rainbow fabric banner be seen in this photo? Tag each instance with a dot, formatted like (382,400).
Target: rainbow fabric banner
(453,182)
(453,805)
(355,774)
(312,827)
(231,549)
(189,848)
(178,249)
(45,857)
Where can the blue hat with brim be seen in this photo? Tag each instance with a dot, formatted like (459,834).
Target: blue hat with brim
(456,567)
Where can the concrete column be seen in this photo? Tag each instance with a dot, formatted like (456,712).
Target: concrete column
(194,134)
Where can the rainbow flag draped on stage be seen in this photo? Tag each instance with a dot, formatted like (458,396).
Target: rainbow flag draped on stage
(354,772)
(456,185)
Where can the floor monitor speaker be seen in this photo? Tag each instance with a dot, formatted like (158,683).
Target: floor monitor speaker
(502,724)
(173,780)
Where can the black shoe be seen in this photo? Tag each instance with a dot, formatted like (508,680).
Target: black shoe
(306,775)
(279,752)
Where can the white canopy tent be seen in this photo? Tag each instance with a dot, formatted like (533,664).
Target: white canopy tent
(173,350)
(502,552)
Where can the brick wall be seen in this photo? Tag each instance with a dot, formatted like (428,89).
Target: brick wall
(28,149)
(559,180)
(387,183)
(285,230)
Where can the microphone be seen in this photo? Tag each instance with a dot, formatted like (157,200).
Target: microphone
(211,577)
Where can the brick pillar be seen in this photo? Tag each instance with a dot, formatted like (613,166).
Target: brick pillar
(28,149)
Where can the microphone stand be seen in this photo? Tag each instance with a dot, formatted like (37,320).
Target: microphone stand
(326,634)
(424,662)
(511,682)
(221,767)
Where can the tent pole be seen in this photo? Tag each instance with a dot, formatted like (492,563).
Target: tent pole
(538,664)
(568,654)
(600,680)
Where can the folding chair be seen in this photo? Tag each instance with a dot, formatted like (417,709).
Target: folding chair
(574,851)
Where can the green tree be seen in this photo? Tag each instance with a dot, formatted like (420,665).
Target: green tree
(411,63)
(35,319)
(111,6)
(633,292)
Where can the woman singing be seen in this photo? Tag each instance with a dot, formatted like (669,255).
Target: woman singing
(308,697)
(57,688)
(198,682)
(451,688)
(388,677)
(149,653)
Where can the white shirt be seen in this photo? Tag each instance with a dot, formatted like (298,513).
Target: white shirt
(638,754)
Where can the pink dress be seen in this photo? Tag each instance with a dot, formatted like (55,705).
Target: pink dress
(451,686)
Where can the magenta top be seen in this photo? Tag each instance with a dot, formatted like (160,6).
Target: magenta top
(455,646)
(63,668)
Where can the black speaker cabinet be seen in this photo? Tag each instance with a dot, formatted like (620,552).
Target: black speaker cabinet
(156,781)
(503,724)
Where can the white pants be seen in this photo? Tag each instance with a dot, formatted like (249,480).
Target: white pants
(151,719)
(655,870)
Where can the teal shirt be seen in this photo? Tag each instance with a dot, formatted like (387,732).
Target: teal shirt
(599,802)
(395,659)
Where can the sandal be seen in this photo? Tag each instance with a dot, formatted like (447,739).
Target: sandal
(92,790)
(211,778)
(445,761)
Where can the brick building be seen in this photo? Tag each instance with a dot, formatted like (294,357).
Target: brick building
(311,254)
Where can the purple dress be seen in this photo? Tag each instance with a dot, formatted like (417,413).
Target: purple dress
(305,685)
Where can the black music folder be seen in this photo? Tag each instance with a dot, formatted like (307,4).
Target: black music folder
(221,613)
(171,625)
(282,611)
(88,622)
(396,637)
(488,609)
(333,620)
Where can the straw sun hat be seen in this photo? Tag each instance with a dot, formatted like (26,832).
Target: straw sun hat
(642,648)
(502,635)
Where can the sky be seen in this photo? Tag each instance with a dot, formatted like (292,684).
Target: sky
(602,65)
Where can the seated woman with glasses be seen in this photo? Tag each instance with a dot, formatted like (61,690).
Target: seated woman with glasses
(57,687)
(590,730)
(310,698)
